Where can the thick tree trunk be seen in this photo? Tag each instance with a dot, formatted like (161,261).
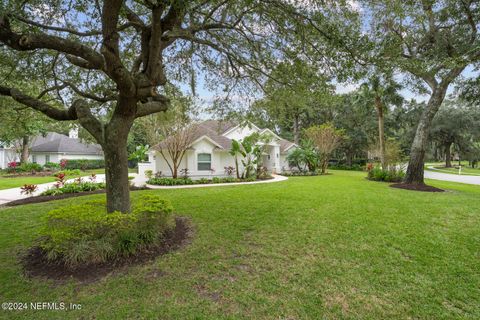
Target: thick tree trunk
(448,155)
(116,163)
(175,171)
(24,154)
(415,170)
(116,171)
(381,131)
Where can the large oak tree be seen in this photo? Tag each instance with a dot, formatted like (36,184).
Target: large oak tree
(432,41)
(105,63)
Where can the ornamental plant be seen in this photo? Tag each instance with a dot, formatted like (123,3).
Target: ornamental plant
(28,189)
(63,163)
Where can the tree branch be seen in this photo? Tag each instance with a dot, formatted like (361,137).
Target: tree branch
(39,105)
(161,103)
(28,42)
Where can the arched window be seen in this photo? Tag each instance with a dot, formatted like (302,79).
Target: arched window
(204,161)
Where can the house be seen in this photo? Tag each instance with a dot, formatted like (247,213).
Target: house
(54,147)
(208,154)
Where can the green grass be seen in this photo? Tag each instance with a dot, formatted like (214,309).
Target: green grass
(7,183)
(324,247)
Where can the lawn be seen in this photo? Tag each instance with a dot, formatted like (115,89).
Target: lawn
(335,246)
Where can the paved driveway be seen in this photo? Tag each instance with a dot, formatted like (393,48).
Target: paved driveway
(452,177)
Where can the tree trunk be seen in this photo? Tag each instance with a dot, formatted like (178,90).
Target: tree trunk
(175,171)
(116,165)
(236,167)
(381,131)
(448,155)
(296,129)
(415,170)
(349,158)
(24,153)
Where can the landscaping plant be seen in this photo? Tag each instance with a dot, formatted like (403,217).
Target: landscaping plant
(86,234)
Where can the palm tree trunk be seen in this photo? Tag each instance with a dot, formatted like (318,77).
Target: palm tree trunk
(381,131)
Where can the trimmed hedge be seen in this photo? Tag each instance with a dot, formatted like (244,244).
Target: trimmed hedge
(86,234)
(84,164)
(188,181)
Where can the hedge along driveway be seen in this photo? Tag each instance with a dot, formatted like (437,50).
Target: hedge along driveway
(334,247)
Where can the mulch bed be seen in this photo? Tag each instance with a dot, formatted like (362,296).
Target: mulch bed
(35,263)
(39,199)
(416,187)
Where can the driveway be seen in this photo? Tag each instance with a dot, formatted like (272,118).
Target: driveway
(452,177)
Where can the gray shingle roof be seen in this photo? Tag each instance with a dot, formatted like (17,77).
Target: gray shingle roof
(58,143)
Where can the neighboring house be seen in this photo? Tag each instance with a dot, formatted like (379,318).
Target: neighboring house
(7,155)
(55,146)
(208,154)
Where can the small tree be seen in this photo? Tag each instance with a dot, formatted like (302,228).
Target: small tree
(179,137)
(326,138)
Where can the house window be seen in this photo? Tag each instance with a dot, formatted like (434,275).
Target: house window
(34,158)
(47,158)
(204,161)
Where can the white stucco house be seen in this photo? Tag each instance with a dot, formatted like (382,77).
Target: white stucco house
(208,154)
(54,147)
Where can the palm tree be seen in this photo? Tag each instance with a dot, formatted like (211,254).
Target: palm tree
(381,91)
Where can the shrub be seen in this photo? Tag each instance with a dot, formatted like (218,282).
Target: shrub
(12,166)
(86,233)
(148,174)
(83,164)
(170,181)
(51,166)
(29,167)
(390,175)
(67,172)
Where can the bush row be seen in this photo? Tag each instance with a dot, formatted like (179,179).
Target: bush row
(15,167)
(74,187)
(187,181)
(83,164)
(86,233)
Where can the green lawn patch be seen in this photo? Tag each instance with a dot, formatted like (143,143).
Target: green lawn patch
(334,246)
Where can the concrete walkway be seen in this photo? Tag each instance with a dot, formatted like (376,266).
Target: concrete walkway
(451,177)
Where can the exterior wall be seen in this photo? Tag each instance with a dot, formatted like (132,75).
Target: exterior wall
(220,160)
(40,157)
